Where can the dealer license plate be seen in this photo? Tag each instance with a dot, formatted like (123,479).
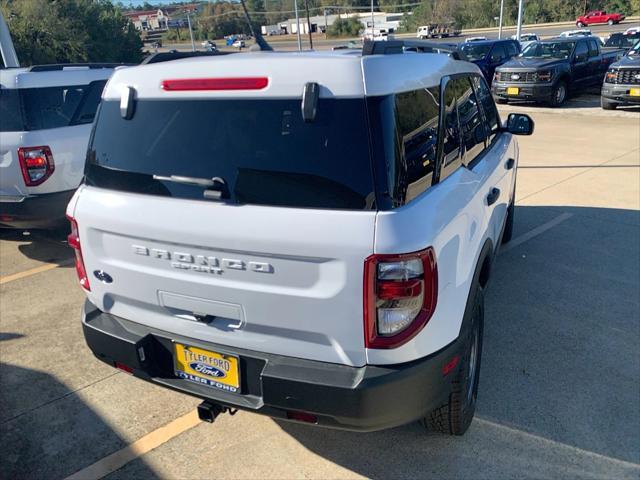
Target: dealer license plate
(634,92)
(513,90)
(207,368)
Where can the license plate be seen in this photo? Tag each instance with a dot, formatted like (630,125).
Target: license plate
(634,92)
(513,90)
(207,368)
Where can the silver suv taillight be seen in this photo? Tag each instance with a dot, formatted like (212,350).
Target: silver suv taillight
(400,294)
(36,164)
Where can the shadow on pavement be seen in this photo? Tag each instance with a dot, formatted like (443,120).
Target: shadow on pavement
(49,246)
(559,392)
(55,439)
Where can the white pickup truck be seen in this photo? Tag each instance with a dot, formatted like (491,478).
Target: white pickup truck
(302,235)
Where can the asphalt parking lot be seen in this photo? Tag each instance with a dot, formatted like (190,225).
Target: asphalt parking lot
(560,383)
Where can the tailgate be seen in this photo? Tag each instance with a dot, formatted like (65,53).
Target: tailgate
(286,281)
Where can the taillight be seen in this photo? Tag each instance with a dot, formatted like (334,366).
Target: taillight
(74,242)
(36,164)
(400,294)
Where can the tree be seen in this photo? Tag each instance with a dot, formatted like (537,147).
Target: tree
(345,27)
(71,31)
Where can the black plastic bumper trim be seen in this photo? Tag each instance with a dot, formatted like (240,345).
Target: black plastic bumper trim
(37,211)
(353,398)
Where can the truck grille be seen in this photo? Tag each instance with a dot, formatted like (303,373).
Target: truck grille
(626,77)
(521,77)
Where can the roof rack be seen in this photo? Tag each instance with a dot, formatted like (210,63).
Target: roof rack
(175,55)
(391,47)
(61,66)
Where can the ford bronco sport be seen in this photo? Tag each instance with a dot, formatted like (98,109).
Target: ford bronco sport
(302,235)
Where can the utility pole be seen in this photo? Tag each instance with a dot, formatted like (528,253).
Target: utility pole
(193,45)
(306,6)
(373,21)
(500,24)
(325,23)
(520,9)
(295,7)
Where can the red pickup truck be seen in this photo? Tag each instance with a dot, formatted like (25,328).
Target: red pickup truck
(599,16)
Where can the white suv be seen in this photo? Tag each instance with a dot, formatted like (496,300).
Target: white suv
(306,236)
(46,113)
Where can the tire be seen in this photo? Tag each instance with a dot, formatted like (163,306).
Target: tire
(560,93)
(610,22)
(507,234)
(607,104)
(454,417)
(579,24)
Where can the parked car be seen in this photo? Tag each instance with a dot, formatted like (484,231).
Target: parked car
(622,40)
(438,30)
(238,44)
(475,39)
(547,71)
(263,254)
(526,39)
(490,54)
(209,45)
(599,16)
(583,32)
(621,84)
(632,30)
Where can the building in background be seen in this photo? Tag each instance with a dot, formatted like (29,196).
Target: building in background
(389,22)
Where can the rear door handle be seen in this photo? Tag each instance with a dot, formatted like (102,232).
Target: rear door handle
(493,196)
(509,164)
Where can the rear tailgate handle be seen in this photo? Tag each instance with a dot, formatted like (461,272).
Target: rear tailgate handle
(494,194)
(509,164)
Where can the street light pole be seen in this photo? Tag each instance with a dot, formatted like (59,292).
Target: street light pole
(193,45)
(373,22)
(295,7)
(501,13)
(306,6)
(519,29)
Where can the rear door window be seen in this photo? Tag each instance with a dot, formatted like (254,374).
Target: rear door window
(54,107)
(262,149)
(498,53)
(593,48)
(488,106)
(472,128)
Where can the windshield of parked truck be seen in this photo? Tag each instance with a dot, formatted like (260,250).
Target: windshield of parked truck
(475,52)
(549,50)
(635,50)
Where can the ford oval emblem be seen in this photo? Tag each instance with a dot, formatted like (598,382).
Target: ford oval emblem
(515,77)
(205,369)
(103,276)
(637,76)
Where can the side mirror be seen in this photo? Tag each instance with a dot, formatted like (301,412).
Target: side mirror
(519,124)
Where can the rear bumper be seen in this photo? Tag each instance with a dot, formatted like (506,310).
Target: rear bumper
(38,211)
(353,398)
(620,94)
(530,92)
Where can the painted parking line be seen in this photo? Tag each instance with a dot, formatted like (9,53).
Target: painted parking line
(34,271)
(119,459)
(535,232)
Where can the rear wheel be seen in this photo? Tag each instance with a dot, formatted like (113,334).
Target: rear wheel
(455,416)
(559,94)
(579,24)
(610,22)
(607,104)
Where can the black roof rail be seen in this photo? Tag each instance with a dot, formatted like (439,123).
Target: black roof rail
(61,66)
(174,55)
(391,47)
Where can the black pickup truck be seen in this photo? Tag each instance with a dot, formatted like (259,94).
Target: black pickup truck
(547,71)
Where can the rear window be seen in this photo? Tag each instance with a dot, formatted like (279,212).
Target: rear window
(262,149)
(51,107)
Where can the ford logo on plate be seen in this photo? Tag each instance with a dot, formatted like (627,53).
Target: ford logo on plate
(205,369)
(103,276)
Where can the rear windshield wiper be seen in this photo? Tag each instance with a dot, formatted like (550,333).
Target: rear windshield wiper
(215,188)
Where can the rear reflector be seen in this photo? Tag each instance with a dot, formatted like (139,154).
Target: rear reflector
(123,367)
(36,164)
(301,416)
(190,84)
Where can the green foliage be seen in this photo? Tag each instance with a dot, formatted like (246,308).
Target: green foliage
(46,31)
(219,19)
(345,27)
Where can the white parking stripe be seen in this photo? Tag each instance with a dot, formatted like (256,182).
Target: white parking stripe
(119,459)
(535,232)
